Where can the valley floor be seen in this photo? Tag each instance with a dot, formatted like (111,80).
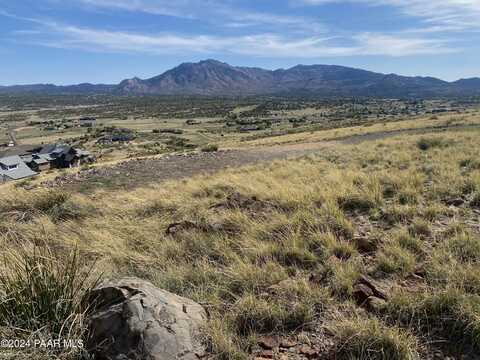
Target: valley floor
(136,173)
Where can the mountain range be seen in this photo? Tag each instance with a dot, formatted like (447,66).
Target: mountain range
(215,78)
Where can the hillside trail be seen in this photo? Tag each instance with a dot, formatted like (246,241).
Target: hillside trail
(135,173)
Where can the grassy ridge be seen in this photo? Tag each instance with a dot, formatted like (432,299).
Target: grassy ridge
(278,249)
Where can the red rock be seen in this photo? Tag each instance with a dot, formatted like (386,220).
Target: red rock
(308,351)
(287,343)
(267,354)
(268,342)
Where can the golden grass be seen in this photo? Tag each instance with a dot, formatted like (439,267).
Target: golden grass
(251,261)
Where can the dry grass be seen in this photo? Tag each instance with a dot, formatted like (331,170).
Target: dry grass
(252,263)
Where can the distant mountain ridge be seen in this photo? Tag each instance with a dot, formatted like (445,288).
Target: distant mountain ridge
(215,78)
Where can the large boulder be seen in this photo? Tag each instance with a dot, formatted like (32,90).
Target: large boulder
(134,320)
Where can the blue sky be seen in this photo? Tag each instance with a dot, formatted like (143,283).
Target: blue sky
(105,41)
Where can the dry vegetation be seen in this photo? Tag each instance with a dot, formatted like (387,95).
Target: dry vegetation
(278,249)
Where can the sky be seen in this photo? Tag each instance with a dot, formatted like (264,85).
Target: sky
(106,41)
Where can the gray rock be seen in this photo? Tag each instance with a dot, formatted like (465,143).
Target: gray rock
(134,320)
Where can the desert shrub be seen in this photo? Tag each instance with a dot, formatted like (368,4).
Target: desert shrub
(294,256)
(332,219)
(398,214)
(449,314)
(475,202)
(223,342)
(465,247)
(46,201)
(42,292)
(290,305)
(420,228)
(341,276)
(470,164)
(356,202)
(432,142)
(210,148)
(24,206)
(407,241)
(395,259)
(69,210)
(368,339)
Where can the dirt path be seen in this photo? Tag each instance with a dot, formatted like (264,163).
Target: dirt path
(143,172)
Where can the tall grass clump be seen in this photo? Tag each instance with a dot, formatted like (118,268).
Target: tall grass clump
(450,314)
(432,142)
(43,294)
(369,339)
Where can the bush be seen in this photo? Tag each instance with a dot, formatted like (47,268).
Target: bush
(368,339)
(39,291)
(395,259)
(210,148)
(427,143)
(449,314)
(356,202)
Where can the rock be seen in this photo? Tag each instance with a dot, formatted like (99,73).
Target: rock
(365,245)
(177,227)
(307,351)
(134,320)
(376,304)
(267,354)
(458,201)
(268,342)
(361,293)
(377,289)
(286,343)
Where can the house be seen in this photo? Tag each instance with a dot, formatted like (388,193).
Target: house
(63,156)
(38,162)
(14,168)
(87,121)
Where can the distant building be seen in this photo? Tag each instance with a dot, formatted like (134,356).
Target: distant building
(87,121)
(14,168)
(62,156)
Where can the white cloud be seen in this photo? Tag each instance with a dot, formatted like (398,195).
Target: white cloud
(261,45)
(177,8)
(272,45)
(457,14)
(219,13)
